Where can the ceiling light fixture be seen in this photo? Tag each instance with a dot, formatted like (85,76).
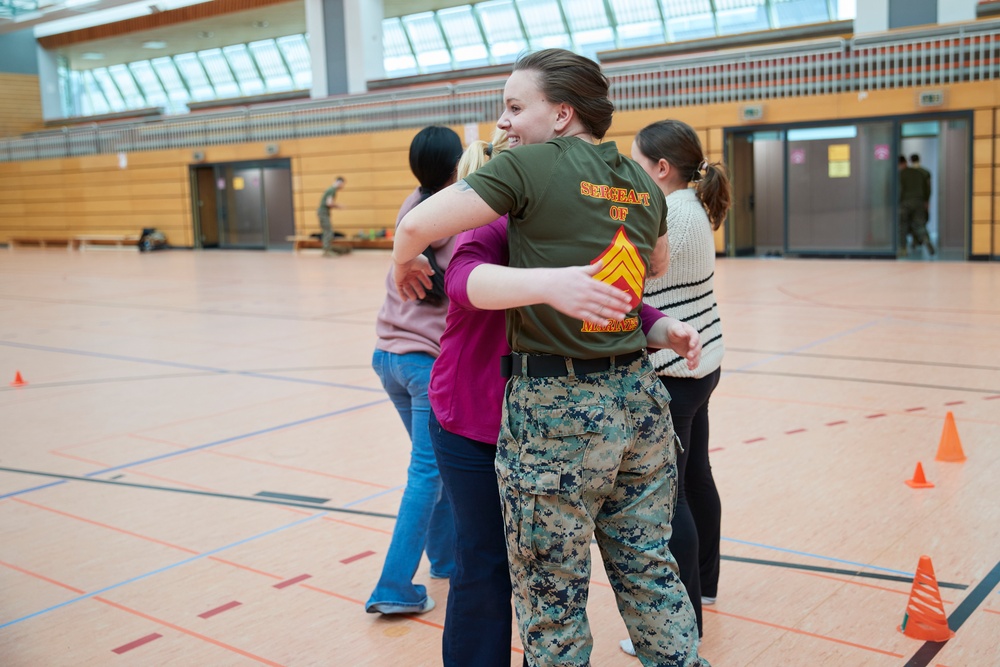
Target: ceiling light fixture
(154,44)
(91,55)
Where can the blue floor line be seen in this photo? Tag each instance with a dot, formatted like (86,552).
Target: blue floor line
(775,357)
(811,555)
(373,497)
(151,573)
(192,367)
(205,446)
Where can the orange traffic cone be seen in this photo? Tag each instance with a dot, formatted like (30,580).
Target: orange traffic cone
(919,481)
(950,449)
(18,380)
(924,618)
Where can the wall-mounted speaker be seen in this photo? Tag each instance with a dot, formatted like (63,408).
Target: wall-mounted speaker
(198,156)
(271,149)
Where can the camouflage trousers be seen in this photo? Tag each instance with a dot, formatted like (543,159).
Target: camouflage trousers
(585,456)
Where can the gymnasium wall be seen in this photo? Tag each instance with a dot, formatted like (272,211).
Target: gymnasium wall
(20,104)
(62,197)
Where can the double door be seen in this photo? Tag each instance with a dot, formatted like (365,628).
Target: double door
(243,205)
(833,189)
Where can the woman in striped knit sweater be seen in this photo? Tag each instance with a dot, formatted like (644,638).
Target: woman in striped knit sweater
(671,153)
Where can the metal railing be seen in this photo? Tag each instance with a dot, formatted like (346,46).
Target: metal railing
(932,57)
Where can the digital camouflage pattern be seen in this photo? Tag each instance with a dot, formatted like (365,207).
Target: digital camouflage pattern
(583,456)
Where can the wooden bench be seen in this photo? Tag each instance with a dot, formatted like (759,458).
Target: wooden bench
(83,241)
(39,242)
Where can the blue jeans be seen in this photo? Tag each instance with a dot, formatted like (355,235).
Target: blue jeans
(424,518)
(477,625)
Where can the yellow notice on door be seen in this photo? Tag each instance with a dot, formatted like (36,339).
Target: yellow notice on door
(840,169)
(838,152)
(238,183)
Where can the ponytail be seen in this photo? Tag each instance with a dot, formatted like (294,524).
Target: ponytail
(713,190)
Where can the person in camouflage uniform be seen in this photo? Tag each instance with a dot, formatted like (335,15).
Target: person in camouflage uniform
(914,198)
(586,445)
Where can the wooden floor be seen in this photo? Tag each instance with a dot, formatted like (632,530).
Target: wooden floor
(175,401)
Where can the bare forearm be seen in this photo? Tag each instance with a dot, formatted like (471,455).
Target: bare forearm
(494,287)
(450,211)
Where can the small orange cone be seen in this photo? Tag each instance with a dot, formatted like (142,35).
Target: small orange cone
(919,481)
(924,618)
(950,449)
(18,380)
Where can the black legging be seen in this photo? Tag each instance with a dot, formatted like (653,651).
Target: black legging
(698,514)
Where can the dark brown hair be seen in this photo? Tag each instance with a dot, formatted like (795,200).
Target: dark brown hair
(678,144)
(567,78)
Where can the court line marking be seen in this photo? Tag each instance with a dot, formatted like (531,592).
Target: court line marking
(812,555)
(165,568)
(832,570)
(186,631)
(891,383)
(181,452)
(194,492)
(781,355)
(843,357)
(177,364)
(802,632)
(958,617)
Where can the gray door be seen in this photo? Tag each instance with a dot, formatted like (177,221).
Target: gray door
(256,210)
(278,206)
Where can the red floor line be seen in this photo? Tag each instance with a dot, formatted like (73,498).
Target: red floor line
(132,471)
(244,567)
(297,469)
(837,423)
(351,559)
(992,611)
(875,416)
(218,610)
(42,577)
(358,525)
(795,430)
(991,398)
(324,591)
(954,402)
(801,632)
(752,440)
(915,409)
(125,648)
(192,633)
(861,583)
(291,582)
(104,525)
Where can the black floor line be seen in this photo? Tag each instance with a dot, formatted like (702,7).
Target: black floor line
(811,376)
(834,570)
(210,494)
(926,653)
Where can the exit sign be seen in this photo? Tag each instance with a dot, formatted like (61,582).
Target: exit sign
(931,98)
(751,112)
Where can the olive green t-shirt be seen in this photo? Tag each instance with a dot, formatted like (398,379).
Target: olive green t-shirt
(571,203)
(913,187)
(329,192)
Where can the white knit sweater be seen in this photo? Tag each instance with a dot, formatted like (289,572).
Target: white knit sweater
(686,292)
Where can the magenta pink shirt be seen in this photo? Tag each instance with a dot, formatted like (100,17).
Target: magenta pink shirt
(467,389)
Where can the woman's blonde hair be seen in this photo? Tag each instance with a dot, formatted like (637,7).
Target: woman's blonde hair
(479,153)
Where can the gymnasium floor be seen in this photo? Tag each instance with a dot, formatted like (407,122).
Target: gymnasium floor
(202,468)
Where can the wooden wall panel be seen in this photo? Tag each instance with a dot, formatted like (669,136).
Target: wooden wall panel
(92,194)
(20,104)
